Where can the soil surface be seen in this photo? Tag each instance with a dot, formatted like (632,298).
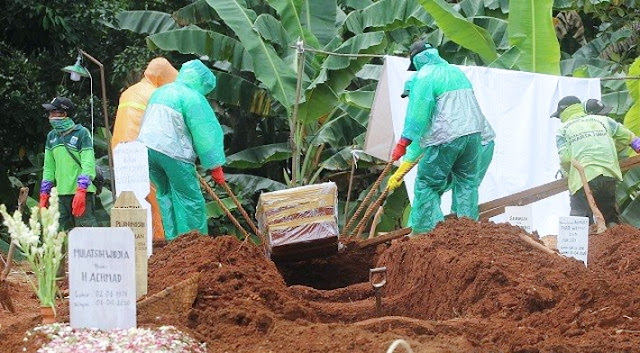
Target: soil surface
(465,287)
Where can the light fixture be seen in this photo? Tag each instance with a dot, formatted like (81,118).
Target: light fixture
(76,70)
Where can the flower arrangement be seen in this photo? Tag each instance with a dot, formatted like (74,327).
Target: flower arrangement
(41,244)
(164,339)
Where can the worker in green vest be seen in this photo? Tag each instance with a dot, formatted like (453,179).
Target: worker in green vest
(70,166)
(594,141)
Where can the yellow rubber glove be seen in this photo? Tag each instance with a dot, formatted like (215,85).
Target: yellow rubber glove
(396,179)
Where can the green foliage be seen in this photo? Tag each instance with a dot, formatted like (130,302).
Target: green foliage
(632,118)
(531,30)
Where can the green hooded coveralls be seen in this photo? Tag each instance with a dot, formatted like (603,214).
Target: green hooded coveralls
(443,121)
(178,126)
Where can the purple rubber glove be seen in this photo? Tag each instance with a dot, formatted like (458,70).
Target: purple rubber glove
(83,182)
(46,186)
(635,144)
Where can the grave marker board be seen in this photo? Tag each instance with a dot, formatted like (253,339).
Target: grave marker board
(573,237)
(131,170)
(126,212)
(520,216)
(102,288)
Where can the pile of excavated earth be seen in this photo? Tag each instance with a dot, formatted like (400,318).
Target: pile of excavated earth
(464,287)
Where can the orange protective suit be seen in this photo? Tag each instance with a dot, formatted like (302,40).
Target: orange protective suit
(133,102)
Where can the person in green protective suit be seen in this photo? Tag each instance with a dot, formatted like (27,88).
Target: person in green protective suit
(486,154)
(69,165)
(594,141)
(444,124)
(178,126)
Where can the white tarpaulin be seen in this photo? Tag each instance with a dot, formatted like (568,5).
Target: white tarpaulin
(518,106)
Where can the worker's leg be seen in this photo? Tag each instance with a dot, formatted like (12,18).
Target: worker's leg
(188,202)
(604,192)
(580,206)
(483,165)
(433,169)
(465,175)
(156,217)
(64,206)
(163,193)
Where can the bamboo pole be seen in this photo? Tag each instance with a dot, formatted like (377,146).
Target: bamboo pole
(213,195)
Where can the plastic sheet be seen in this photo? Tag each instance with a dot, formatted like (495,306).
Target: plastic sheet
(300,220)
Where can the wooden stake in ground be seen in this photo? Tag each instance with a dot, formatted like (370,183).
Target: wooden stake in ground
(5,298)
(600,223)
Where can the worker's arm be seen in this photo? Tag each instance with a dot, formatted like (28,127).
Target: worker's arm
(564,152)
(206,132)
(49,167)
(421,104)
(621,135)
(87,155)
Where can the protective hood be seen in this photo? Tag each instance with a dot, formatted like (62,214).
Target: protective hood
(160,72)
(572,112)
(428,57)
(194,74)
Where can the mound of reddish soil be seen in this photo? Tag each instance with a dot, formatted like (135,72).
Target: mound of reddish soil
(464,287)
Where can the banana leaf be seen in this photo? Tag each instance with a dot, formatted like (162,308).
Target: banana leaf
(256,157)
(360,99)
(289,12)
(250,184)
(594,48)
(508,60)
(214,210)
(370,72)
(195,40)
(632,118)
(471,8)
(336,75)
(620,101)
(195,13)
(338,132)
(269,69)
(387,15)
(320,17)
(461,31)
(272,31)
(531,30)
(631,214)
(593,71)
(357,4)
(235,90)
(496,27)
(149,22)
(568,66)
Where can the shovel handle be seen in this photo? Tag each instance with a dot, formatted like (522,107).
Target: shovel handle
(600,222)
(243,212)
(213,195)
(366,200)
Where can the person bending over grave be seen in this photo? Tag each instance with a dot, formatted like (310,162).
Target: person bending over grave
(178,126)
(70,166)
(594,141)
(444,123)
(486,154)
(133,102)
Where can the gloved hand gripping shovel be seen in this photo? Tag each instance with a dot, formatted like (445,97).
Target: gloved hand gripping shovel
(5,298)
(213,195)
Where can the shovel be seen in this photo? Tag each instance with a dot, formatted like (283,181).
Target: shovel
(5,298)
(601,227)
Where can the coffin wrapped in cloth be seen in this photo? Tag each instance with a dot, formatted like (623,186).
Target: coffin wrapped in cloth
(300,222)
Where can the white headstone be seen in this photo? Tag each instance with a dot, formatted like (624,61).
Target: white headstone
(102,285)
(573,237)
(519,216)
(131,169)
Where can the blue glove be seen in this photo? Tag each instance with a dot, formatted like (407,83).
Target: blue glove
(635,144)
